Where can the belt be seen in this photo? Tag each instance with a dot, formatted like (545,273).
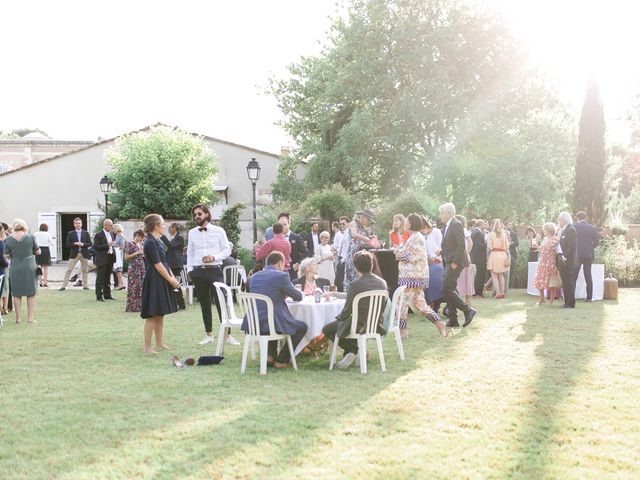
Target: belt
(498,250)
(436,261)
(208,267)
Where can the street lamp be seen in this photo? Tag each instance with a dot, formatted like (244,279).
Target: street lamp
(105,187)
(253,172)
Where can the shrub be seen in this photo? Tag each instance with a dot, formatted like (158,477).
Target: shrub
(405,203)
(230,222)
(246,258)
(328,204)
(620,259)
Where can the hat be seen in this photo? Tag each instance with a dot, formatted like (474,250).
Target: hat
(367,213)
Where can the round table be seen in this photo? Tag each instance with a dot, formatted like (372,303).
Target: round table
(315,315)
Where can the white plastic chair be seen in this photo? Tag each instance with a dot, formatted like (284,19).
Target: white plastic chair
(229,317)
(376,298)
(231,276)
(396,310)
(1,287)
(248,304)
(187,284)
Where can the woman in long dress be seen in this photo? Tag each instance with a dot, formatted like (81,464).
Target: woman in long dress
(466,280)
(324,257)
(158,299)
(360,238)
(133,254)
(547,275)
(118,248)
(498,261)
(22,248)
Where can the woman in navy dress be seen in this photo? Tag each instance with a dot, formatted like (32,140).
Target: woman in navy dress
(157,289)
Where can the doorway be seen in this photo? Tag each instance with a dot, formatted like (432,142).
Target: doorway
(66,225)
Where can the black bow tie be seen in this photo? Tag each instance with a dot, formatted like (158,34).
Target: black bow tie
(202,229)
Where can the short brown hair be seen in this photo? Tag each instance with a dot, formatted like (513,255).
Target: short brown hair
(274,257)
(363,261)
(277,228)
(204,209)
(415,222)
(44,227)
(150,222)
(138,233)
(581,215)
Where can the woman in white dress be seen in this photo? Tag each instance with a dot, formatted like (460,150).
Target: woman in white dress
(119,251)
(324,258)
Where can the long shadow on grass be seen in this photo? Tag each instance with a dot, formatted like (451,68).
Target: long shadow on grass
(568,340)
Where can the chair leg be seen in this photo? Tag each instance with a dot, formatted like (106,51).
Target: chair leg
(253,347)
(399,343)
(264,351)
(381,353)
(220,344)
(293,356)
(334,351)
(245,351)
(362,351)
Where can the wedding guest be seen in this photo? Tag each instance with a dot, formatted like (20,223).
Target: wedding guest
(467,276)
(309,279)
(133,253)
(157,295)
(365,281)
(586,240)
(433,239)
(547,276)
(453,255)
(104,244)
(22,249)
(324,257)
(532,243)
(341,245)
(277,244)
(360,238)
(45,243)
(118,249)
(567,257)
(512,235)
(479,256)
(298,250)
(413,273)
(399,234)
(313,240)
(3,271)
(175,246)
(498,262)
(275,283)
(335,229)
(268,233)
(78,242)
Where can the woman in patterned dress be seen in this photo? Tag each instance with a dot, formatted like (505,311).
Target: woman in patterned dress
(547,275)
(133,253)
(413,273)
(360,239)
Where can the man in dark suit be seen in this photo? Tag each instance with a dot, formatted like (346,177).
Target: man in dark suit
(313,239)
(104,242)
(586,240)
(78,242)
(514,242)
(567,258)
(366,282)
(298,250)
(174,258)
(275,283)
(454,259)
(479,256)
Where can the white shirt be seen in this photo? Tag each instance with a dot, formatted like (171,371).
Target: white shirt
(107,235)
(43,239)
(446,227)
(558,247)
(316,239)
(343,251)
(433,243)
(210,242)
(79,235)
(337,238)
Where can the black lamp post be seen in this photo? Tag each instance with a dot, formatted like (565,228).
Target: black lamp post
(105,186)
(253,172)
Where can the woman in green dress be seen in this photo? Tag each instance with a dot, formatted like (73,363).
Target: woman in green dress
(22,248)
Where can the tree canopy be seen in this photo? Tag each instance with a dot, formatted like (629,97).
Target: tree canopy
(162,170)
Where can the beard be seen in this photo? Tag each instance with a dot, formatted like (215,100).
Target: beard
(200,220)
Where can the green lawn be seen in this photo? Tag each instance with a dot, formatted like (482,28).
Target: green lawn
(524,392)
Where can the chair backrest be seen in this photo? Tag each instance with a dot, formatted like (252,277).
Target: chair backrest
(376,301)
(231,275)
(396,305)
(249,305)
(225,297)
(185,276)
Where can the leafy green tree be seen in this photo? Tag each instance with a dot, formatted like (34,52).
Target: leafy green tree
(329,204)
(588,192)
(21,132)
(162,170)
(405,203)
(230,221)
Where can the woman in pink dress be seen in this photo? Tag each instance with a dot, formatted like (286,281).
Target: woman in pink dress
(547,275)
(467,277)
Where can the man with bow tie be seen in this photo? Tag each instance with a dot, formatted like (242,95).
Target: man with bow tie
(208,247)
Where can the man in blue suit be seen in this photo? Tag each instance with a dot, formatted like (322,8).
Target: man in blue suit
(274,282)
(586,240)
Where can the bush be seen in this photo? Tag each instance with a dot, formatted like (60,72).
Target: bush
(520,271)
(620,259)
(405,203)
(246,258)
(328,204)
(230,222)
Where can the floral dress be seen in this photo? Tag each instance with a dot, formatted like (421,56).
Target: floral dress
(135,277)
(355,246)
(547,273)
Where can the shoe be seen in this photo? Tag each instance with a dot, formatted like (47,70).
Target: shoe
(500,295)
(206,340)
(100,299)
(61,289)
(85,288)
(109,298)
(588,300)
(356,363)
(452,324)
(74,278)
(347,361)
(281,365)
(231,341)
(468,317)
(568,306)
(78,283)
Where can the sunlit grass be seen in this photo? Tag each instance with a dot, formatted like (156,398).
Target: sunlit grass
(525,392)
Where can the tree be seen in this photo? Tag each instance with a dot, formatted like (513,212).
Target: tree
(328,204)
(162,170)
(21,132)
(230,222)
(422,94)
(588,191)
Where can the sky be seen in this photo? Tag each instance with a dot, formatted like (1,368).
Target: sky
(81,70)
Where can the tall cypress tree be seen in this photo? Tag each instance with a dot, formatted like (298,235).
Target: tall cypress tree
(588,190)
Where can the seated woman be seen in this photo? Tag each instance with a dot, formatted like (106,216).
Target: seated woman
(307,277)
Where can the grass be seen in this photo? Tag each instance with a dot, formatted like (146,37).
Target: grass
(524,392)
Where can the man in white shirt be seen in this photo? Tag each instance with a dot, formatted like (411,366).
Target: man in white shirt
(341,245)
(208,247)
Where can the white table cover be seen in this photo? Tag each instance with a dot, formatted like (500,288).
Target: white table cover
(597,274)
(315,315)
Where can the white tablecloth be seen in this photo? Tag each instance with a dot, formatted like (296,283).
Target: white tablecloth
(597,274)
(315,315)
